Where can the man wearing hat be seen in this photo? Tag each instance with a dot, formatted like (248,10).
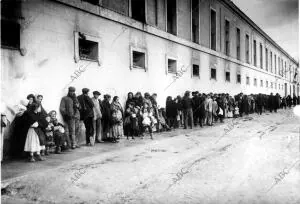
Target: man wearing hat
(69,109)
(97,117)
(87,115)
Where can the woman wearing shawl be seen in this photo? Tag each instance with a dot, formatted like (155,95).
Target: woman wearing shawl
(35,136)
(117,117)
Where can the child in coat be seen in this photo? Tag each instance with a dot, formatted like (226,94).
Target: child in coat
(236,110)
(61,140)
(147,122)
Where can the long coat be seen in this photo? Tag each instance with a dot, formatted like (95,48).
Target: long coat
(67,109)
(87,106)
(171,109)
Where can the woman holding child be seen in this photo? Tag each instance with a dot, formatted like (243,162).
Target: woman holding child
(35,139)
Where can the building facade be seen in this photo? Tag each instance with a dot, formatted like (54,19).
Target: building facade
(117,46)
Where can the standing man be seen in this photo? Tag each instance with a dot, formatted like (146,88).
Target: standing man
(271,102)
(196,107)
(276,102)
(69,109)
(97,117)
(202,110)
(87,115)
(259,103)
(187,105)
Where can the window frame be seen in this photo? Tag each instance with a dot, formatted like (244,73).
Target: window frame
(197,39)
(267,58)
(248,80)
(227,71)
(247,45)
(238,43)
(140,50)
(210,73)
(89,38)
(9,21)
(166,17)
(271,61)
(275,63)
(261,54)
(255,52)
(227,52)
(195,76)
(237,81)
(210,29)
(167,63)
(130,11)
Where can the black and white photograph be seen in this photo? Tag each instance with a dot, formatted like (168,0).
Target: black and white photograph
(150,102)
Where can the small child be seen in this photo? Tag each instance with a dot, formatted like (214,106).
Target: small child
(49,135)
(133,126)
(147,122)
(236,110)
(61,140)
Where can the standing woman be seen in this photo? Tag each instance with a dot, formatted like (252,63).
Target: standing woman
(171,112)
(130,99)
(138,99)
(35,135)
(118,126)
(127,119)
(31,99)
(106,117)
(179,116)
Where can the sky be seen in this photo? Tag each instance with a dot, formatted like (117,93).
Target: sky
(278,18)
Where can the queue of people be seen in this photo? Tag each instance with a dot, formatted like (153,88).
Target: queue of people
(36,132)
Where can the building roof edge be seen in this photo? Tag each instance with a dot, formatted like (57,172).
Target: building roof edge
(257,28)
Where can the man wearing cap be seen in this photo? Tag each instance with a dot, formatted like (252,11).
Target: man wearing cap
(69,109)
(87,115)
(97,117)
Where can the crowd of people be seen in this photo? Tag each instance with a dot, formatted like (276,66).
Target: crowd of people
(37,132)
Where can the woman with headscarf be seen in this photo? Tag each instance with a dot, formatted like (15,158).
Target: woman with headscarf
(131,126)
(117,117)
(138,100)
(35,139)
(129,100)
(106,117)
(19,129)
(127,115)
(31,99)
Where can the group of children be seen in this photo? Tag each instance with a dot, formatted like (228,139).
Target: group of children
(139,120)
(55,134)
